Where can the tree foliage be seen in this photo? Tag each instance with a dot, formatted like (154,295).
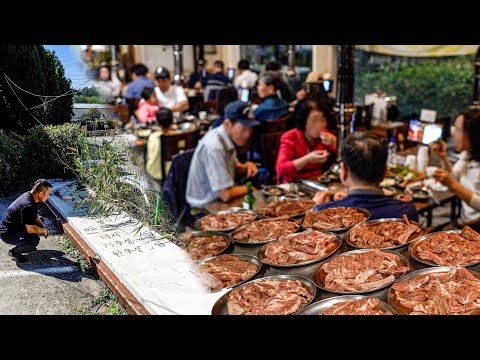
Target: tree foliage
(38,71)
(443,84)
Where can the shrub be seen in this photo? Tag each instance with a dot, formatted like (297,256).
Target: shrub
(82,99)
(41,153)
(94,119)
(11,159)
(443,84)
(88,95)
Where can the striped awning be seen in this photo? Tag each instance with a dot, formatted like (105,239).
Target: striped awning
(421,50)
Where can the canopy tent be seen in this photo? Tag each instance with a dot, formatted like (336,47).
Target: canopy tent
(421,50)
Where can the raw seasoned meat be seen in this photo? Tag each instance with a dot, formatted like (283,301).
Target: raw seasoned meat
(298,248)
(333,218)
(224,221)
(263,230)
(456,292)
(362,271)
(286,207)
(369,306)
(383,235)
(268,297)
(202,247)
(451,249)
(225,270)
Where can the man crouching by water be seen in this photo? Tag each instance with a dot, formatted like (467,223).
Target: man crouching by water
(21,224)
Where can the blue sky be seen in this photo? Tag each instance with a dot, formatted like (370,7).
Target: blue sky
(72,61)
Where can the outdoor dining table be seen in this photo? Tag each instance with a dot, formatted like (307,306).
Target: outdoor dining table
(308,270)
(425,207)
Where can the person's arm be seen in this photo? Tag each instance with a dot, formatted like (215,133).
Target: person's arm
(219,177)
(232,192)
(461,191)
(39,222)
(142,114)
(286,153)
(248,167)
(464,194)
(130,91)
(439,149)
(180,107)
(34,229)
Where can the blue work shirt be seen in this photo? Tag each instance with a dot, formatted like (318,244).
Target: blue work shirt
(272,107)
(135,88)
(379,205)
(216,79)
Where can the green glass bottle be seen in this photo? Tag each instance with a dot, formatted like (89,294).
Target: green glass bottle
(249,200)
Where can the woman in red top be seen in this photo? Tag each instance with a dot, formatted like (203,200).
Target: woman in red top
(305,149)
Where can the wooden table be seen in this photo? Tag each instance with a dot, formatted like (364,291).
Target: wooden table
(262,200)
(426,207)
(423,207)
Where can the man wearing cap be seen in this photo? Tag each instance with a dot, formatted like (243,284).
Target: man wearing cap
(314,89)
(170,96)
(215,164)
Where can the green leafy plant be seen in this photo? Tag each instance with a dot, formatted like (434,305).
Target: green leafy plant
(41,153)
(88,95)
(109,171)
(443,84)
(38,71)
(94,119)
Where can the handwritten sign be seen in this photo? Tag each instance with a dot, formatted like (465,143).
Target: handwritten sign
(155,270)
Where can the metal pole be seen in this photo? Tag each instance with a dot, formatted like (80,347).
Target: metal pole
(476,83)
(345,87)
(178,62)
(291,61)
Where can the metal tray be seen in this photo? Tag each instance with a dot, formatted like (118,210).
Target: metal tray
(292,216)
(314,184)
(318,275)
(237,210)
(401,310)
(261,251)
(220,307)
(413,246)
(212,233)
(320,306)
(250,258)
(241,228)
(266,193)
(364,211)
(379,221)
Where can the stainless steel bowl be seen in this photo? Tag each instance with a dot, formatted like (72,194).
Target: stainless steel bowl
(250,258)
(212,233)
(317,275)
(290,197)
(413,246)
(419,193)
(388,191)
(220,307)
(320,306)
(364,211)
(379,221)
(236,210)
(261,251)
(241,228)
(273,190)
(397,307)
